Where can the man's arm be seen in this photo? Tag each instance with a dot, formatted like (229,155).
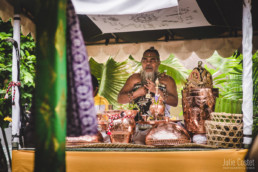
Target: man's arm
(170,97)
(126,94)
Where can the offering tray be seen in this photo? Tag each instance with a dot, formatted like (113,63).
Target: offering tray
(168,133)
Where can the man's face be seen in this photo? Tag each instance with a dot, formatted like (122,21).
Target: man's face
(150,62)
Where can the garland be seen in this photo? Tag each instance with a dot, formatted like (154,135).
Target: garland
(111,120)
(12,84)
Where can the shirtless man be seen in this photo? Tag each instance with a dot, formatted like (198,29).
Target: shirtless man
(140,84)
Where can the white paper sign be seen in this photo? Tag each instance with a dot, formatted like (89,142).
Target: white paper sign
(187,14)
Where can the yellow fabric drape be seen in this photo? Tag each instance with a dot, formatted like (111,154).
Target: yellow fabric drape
(99,100)
(212,160)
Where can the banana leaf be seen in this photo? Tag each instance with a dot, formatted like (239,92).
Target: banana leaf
(230,79)
(228,105)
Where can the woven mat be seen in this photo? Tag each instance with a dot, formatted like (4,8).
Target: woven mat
(129,145)
(109,145)
(187,145)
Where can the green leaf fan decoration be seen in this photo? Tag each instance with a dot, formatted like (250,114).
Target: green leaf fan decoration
(174,69)
(112,76)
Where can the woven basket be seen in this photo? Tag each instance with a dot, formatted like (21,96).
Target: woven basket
(226,117)
(224,134)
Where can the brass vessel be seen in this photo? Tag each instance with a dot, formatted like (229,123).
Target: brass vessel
(122,125)
(128,121)
(198,99)
(102,122)
(198,104)
(157,109)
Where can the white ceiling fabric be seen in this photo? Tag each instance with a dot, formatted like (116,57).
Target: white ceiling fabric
(187,14)
(181,49)
(120,7)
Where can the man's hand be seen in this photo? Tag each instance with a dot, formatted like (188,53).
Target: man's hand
(150,86)
(140,92)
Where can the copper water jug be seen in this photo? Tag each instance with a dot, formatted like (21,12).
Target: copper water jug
(157,109)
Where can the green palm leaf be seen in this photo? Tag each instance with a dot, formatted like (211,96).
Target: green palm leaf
(224,65)
(96,68)
(174,69)
(255,82)
(230,78)
(112,76)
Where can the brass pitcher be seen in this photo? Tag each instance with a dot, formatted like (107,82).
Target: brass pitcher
(157,109)
(128,121)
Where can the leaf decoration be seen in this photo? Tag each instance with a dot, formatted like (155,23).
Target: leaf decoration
(112,76)
(174,69)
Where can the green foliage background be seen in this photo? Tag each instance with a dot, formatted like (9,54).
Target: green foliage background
(27,69)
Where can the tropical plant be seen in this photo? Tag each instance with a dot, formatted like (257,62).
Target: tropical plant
(113,75)
(255,90)
(27,67)
(174,69)
(228,77)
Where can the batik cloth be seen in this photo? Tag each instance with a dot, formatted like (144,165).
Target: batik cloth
(81,114)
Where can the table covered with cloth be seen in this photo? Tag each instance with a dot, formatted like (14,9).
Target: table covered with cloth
(168,160)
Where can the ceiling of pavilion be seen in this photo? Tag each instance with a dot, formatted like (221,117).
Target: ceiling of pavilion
(224,17)
(221,31)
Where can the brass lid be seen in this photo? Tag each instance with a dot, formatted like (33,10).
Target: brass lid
(199,78)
